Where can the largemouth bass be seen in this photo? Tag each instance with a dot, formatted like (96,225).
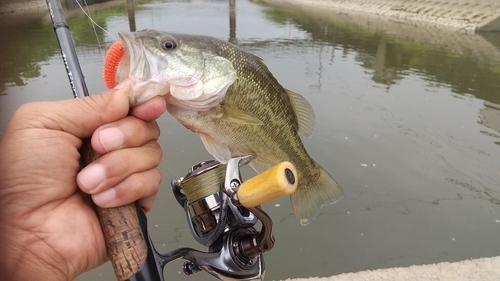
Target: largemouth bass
(231,99)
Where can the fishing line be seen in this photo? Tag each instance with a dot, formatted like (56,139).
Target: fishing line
(93,27)
(90,18)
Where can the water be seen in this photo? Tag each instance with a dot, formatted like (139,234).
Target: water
(408,122)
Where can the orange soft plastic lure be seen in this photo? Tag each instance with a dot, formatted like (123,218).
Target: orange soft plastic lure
(111,61)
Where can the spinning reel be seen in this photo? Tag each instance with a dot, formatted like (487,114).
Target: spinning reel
(222,212)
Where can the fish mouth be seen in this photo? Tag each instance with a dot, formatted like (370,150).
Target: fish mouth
(132,46)
(139,69)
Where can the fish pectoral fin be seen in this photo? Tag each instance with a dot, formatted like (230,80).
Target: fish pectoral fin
(304,112)
(260,61)
(259,166)
(239,116)
(217,149)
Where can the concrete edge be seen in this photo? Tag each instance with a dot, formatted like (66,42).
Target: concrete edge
(21,6)
(483,269)
(467,15)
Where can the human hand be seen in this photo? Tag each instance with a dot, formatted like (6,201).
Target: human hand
(48,227)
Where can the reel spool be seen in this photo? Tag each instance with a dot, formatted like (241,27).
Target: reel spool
(201,186)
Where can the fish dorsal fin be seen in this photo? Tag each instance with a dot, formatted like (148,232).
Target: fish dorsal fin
(217,149)
(239,116)
(304,112)
(259,166)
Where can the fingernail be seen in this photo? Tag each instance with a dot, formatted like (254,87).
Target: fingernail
(111,138)
(104,198)
(91,176)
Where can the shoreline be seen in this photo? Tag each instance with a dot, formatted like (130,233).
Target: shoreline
(21,6)
(482,269)
(468,15)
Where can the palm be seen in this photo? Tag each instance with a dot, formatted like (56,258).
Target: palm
(48,226)
(79,241)
(60,218)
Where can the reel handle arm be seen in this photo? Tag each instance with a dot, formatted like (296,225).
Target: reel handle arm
(254,244)
(273,183)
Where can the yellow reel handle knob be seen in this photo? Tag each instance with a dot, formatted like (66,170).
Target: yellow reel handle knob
(271,184)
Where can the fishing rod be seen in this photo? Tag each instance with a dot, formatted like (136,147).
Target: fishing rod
(221,209)
(121,226)
(70,59)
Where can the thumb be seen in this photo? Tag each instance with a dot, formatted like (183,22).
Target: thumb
(79,117)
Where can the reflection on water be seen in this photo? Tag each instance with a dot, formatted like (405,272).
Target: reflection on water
(407,122)
(22,60)
(490,117)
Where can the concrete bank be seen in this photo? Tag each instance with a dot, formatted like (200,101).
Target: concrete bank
(484,269)
(470,15)
(21,6)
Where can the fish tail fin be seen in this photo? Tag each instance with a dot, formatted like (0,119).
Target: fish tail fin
(321,191)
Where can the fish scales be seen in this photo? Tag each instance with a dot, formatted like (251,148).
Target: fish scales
(255,115)
(272,106)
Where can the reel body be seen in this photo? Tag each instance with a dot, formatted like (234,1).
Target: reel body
(211,195)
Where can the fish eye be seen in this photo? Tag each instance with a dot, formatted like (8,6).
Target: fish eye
(168,45)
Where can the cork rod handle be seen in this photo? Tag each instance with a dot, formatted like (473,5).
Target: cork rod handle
(125,241)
